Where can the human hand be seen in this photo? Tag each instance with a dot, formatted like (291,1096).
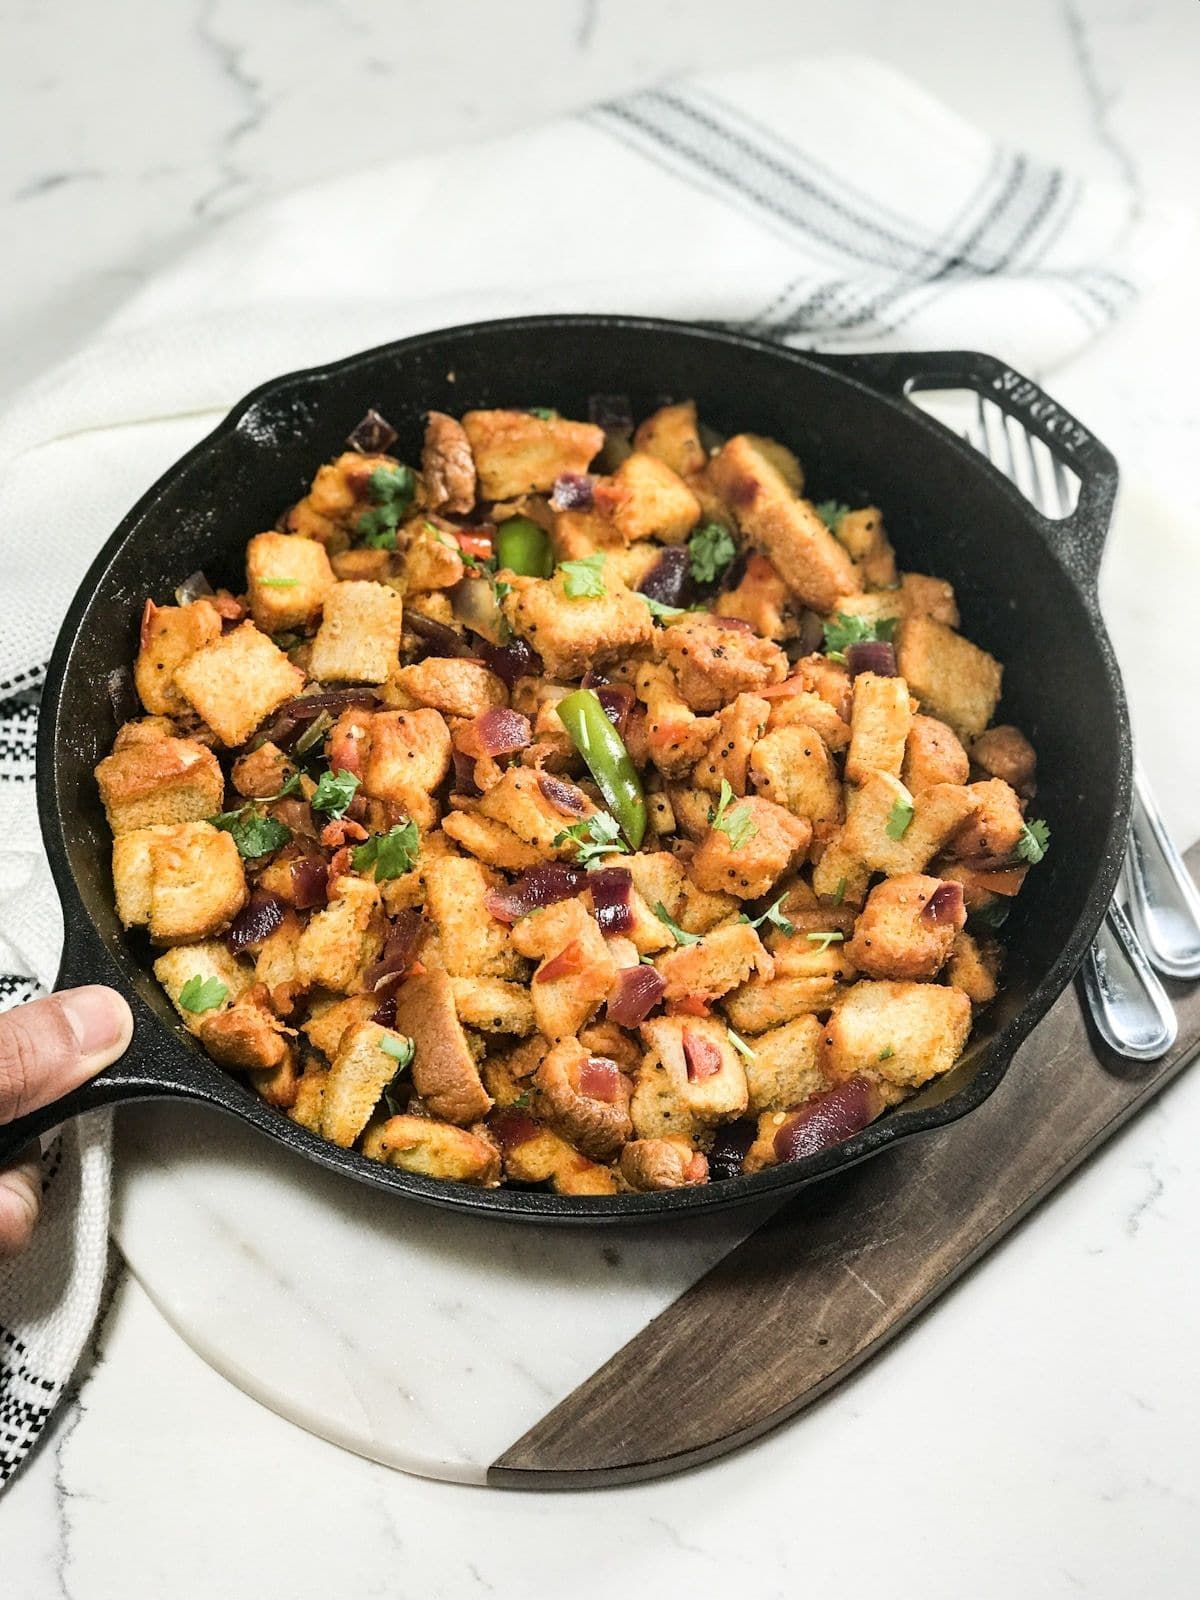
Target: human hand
(47,1048)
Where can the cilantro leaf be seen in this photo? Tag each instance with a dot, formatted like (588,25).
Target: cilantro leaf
(377,529)
(682,936)
(886,1053)
(391,491)
(202,994)
(899,818)
(825,938)
(711,550)
(740,1045)
(543,413)
(401,1049)
(392,853)
(839,894)
(773,915)
(844,630)
(737,825)
(831,513)
(595,836)
(334,792)
(658,609)
(584,578)
(521,1102)
(254,834)
(1034,841)
(277,583)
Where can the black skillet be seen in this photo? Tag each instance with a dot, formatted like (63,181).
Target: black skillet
(1026,587)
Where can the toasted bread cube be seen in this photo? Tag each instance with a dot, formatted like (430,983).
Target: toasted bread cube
(783,1071)
(363,565)
(262,772)
(721,961)
(882,803)
(748,869)
(435,1150)
(1005,752)
(929,597)
(760,598)
(341,490)
(275,964)
(895,938)
(659,878)
(184,882)
(879,724)
(573,634)
(974,967)
(517,453)
(646,499)
(340,942)
(491,842)
(576,969)
(810,711)
(444,1071)
(839,877)
(170,634)
(457,688)
(533,1153)
(953,679)
(360,1072)
(236,681)
(310,1093)
(432,559)
(791,767)
(287,579)
(861,534)
(898,1035)
(359,637)
(738,728)
(995,829)
(248,1036)
(492,1006)
(690,1078)
(473,943)
(788,530)
(672,433)
(651,1165)
(145,785)
(675,737)
(409,756)
(447,466)
(715,659)
(519,802)
(596,1126)
(329,1018)
(757,1006)
(210,959)
(932,754)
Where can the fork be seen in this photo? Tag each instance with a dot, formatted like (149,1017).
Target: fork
(1129,1005)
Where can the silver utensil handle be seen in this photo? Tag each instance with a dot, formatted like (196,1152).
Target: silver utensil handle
(1128,1004)
(1163,901)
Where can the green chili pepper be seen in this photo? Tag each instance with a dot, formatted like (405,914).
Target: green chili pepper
(523,547)
(602,747)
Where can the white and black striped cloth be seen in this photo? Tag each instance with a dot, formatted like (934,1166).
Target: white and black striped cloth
(817,202)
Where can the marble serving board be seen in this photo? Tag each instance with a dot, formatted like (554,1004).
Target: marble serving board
(483,1351)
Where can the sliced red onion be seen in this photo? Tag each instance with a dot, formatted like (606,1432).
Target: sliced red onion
(871,655)
(728,1150)
(192,588)
(385,1012)
(464,774)
(811,635)
(399,950)
(122,696)
(540,886)
(437,637)
(827,1119)
(634,995)
(573,491)
(566,799)
(946,904)
(511,661)
(296,815)
(373,435)
(701,1055)
(600,1079)
(495,732)
(667,579)
(513,1126)
(612,898)
(255,922)
(310,881)
(293,715)
(565,964)
(618,700)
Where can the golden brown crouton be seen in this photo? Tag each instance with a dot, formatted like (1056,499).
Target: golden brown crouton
(236,681)
(660,879)
(341,490)
(435,1150)
(330,1017)
(952,678)
(672,433)
(170,780)
(879,724)
(758,1006)
(760,598)
(788,530)
(649,1165)
(453,686)
(363,565)
(714,659)
(359,637)
(932,754)
(727,758)
(492,1006)
(690,1078)
(209,960)
(360,1072)
(576,969)
(447,465)
(342,941)
(675,737)
(517,453)
(288,579)
(310,1092)
(170,634)
(861,534)
(532,1153)
(839,877)
(891,831)
(184,882)
(409,755)
(473,943)
(444,1071)
(572,634)
(248,1036)
(749,868)
(897,1034)
(275,964)
(520,801)
(491,842)
(895,936)
(792,767)
(432,561)
(783,1070)
(1005,752)
(974,967)
(810,711)
(585,1099)
(923,596)
(993,832)
(262,772)
(646,499)
(721,961)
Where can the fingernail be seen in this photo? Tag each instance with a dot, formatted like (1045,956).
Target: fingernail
(99,1018)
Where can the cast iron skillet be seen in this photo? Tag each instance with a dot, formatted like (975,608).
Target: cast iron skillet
(1027,589)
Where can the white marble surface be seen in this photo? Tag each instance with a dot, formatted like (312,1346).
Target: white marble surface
(1037,1433)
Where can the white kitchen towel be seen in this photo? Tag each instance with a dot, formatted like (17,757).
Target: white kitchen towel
(817,202)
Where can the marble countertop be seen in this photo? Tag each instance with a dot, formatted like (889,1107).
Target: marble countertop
(1036,1433)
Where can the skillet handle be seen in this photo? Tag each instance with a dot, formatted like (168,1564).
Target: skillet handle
(1079,538)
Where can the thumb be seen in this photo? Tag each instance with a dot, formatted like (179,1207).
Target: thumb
(51,1046)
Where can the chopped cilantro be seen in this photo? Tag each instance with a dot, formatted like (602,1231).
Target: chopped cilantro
(737,825)
(543,413)
(658,609)
(391,490)
(391,854)
(583,579)
(593,837)
(522,1101)
(886,1053)
(1034,841)
(831,513)
(825,938)
(682,936)
(711,549)
(839,894)
(740,1045)
(773,915)
(843,630)
(899,818)
(334,792)
(401,1050)
(278,583)
(254,834)
(202,994)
